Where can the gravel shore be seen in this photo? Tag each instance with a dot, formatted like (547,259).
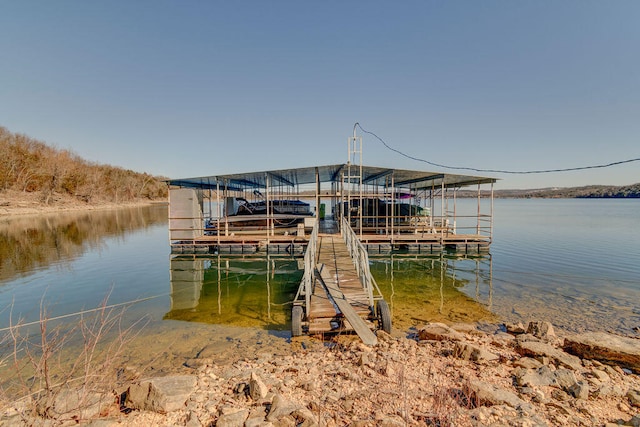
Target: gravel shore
(463,374)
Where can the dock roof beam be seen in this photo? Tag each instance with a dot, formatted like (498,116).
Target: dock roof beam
(281,179)
(377,176)
(421,179)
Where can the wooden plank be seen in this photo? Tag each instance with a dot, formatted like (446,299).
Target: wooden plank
(358,324)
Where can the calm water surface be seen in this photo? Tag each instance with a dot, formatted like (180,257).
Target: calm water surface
(573,262)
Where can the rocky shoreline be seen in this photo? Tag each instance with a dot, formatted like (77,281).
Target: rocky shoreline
(463,374)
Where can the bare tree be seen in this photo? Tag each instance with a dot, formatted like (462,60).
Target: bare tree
(29,165)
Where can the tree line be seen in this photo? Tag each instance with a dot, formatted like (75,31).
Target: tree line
(29,165)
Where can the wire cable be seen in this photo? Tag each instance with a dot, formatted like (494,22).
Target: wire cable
(81,312)
(492,170)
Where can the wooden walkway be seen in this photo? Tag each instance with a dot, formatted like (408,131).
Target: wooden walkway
(338,294)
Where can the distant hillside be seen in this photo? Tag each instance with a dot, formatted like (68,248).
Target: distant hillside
(589,191)
(31,166)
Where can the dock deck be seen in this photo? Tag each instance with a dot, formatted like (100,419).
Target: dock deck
(243,243)
(431,242)
(339,282)
(376,243)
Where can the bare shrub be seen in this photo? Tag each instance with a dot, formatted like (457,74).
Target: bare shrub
(447,402)
(64,371)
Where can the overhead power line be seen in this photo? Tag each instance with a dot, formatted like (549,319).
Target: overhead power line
(492,170)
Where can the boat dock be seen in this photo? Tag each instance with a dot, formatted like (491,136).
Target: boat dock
(361,210)
(275,211)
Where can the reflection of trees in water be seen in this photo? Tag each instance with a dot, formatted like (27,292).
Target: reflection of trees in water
(435,288)
(32,242)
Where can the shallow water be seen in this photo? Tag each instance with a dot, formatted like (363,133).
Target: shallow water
(573,262)
(244,291)
(440,288)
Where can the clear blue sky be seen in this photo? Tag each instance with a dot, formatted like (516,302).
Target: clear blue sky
(191,88)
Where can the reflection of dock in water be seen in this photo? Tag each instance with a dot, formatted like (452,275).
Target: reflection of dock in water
(187,278)
(257,291)
(444,287)
(240,291)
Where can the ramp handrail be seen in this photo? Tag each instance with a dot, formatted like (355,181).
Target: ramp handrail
(310,261)
(360,258)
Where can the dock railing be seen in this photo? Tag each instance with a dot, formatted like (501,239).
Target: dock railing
(310,261)
(360,258)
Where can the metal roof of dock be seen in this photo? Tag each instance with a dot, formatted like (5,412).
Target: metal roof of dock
(371,175)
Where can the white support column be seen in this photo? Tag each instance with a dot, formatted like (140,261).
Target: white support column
(393,204)
(355,158)
(317,195)
(344,199)
(226,217)
(479,210)
(270,225)
(442,211)
(219,211)
(455,209)
(491,222)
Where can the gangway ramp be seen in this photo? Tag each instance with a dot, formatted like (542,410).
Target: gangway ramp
(337,291)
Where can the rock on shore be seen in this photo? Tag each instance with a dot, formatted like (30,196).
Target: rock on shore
(606,347)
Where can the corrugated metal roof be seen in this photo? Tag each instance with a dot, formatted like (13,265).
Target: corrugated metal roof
(371,175)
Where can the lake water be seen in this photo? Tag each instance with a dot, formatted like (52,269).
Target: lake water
(573,262)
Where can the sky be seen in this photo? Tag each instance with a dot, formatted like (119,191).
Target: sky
(196,88)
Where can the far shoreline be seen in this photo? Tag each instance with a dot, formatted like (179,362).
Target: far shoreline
(19,204)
